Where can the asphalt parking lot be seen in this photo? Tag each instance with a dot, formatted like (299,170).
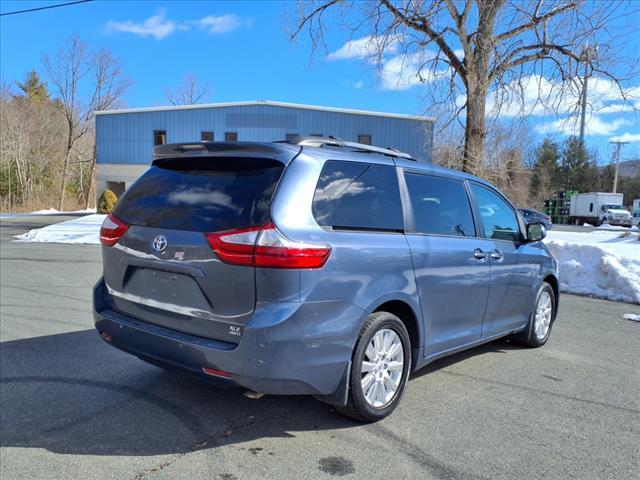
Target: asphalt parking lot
(73,407)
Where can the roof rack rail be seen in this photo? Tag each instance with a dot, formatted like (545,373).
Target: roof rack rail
(331,141)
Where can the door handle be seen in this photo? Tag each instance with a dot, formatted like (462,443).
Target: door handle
(497,255)
(479,254)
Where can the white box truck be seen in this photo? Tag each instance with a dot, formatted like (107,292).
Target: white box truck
(597,208)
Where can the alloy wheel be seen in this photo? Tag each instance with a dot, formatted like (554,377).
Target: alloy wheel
(382,368)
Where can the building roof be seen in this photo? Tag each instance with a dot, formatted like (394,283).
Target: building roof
(269,103)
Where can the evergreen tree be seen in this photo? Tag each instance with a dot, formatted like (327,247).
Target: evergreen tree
(605,183)
(33,87)
(578,168)
(546,171)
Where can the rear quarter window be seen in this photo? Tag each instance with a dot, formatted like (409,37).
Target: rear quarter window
(358,196)
(202,194)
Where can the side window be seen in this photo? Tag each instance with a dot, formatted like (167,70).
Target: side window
(230,136)
(358,196)
(499,220)
(440,205)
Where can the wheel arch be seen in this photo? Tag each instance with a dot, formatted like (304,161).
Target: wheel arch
(407,315)
(555,286)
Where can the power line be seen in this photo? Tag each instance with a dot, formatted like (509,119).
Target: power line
(44,8)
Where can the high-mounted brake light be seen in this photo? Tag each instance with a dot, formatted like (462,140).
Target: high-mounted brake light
(112,230)
(266,247)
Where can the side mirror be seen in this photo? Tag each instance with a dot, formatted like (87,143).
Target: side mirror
(536,232)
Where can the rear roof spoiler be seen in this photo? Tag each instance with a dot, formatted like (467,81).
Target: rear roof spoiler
(276,151)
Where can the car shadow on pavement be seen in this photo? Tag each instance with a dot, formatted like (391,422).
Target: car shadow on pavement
(71,393)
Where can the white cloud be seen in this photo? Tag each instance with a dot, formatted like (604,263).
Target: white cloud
(217,24)
(399,73)
(571,126)
(364,47)
(159,27)
(358,84)
(536,95)
(396,72)
(156,26)
(626,137)
(402,72)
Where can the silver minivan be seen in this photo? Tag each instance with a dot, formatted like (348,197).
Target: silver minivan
(317,267)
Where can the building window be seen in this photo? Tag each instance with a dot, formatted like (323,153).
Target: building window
(206,136)
(159,137)
(116,187)
(366,139)
(292,137)
(230,136)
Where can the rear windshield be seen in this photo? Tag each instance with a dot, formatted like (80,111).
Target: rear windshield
(202,194)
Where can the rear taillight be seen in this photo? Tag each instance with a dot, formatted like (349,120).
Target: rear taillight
(266,247)
(112,230)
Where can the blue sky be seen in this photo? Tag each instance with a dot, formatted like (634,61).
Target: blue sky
(242,52)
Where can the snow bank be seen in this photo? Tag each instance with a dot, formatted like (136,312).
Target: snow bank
(601,263)
(79,230)
(48,211)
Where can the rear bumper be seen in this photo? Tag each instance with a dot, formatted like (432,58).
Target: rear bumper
(286,348)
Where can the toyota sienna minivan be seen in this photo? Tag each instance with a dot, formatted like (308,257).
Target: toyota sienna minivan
(317,267)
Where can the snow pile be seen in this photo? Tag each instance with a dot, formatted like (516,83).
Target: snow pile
(601,263)
(79,230)
(48,211)
(606,226)
(631,316)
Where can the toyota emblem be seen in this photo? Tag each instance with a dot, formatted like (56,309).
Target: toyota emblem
(159,243)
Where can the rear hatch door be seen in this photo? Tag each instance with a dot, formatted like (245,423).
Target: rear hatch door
(163,270)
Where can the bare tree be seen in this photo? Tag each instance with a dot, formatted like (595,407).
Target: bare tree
(31,149)
(85,80)
(190,92)
(470,53)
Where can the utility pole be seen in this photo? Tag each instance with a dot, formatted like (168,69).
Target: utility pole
(587,54)
(615,176)
(583,113)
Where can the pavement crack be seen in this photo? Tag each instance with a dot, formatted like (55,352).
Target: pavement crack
(159,467)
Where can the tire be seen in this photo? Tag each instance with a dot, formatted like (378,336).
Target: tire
(364,404)
(536,335)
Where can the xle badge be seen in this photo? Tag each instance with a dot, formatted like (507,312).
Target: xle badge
(235,331)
